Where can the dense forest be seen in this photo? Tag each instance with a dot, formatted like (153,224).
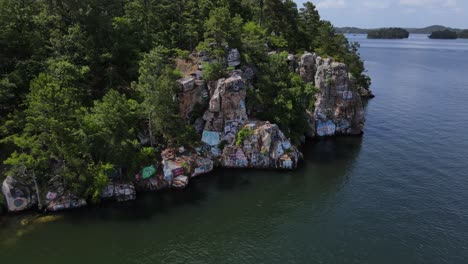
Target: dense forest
(444,34)
(388,33)
(83,81)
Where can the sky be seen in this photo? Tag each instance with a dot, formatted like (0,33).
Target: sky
(393,13)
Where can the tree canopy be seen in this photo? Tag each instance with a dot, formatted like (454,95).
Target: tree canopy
(87,88)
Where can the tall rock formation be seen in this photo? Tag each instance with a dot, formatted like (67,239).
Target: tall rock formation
(338,108)
(226,112)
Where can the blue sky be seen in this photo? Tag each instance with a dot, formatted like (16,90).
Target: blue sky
(400,13)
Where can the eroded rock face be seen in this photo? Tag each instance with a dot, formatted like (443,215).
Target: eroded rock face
(338,108)
(308,67)
(265,146)
(192,94)
(234,58)
(226,112)
(19,195)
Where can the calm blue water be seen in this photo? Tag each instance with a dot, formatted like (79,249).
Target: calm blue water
(398,195)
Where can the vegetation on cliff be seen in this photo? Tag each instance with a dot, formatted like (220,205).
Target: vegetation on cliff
(388,33)
(444,34)
(84,83)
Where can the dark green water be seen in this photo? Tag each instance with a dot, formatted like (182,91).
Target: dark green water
(397,195)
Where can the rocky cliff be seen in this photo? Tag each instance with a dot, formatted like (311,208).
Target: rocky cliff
(229,138)
(338,108)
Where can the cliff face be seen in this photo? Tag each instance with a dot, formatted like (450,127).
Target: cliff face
(264,145)
(229,138)
(338,108)
(261,145)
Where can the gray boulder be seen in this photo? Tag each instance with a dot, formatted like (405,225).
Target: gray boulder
(234,58)
(19,195)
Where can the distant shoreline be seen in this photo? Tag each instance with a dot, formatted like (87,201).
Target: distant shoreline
(425,30)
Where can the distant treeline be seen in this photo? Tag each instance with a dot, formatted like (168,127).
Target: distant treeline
(388,33)
(425,30)
(444,34)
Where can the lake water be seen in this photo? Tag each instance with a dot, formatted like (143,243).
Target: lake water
(399,194)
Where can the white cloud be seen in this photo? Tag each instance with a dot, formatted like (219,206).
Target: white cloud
(376,4)
(429,3)
(331,4)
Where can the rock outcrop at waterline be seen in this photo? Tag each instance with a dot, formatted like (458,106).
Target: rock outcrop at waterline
(338,108)
(230,139)
(261,145)
(19,195)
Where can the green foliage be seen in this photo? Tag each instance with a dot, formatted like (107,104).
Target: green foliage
(242,135)
(222,144)
(213,71)
(79,80)
(283,95)
(388,33)
(99,180)
(109,129)
(158,90)
(254,41)
(222,29)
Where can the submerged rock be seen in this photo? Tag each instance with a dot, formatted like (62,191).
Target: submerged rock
(120,192)
(18,194)
(338,108)
(65,202)
(261,145)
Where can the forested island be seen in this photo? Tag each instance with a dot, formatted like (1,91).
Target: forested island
(425,30)
(444,34)
(103,98)
(388,33)
(463,34)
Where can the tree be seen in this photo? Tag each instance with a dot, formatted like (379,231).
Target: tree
(253,43)
(309,25)
(222,30)
(48,144)
(158,91)
(109,130)
(283,96)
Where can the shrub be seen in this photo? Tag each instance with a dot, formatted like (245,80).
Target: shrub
(243,134)
(213,71)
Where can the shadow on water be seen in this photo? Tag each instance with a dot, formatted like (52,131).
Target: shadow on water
(321,175)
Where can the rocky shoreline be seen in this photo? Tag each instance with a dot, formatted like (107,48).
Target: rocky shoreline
(230,138)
